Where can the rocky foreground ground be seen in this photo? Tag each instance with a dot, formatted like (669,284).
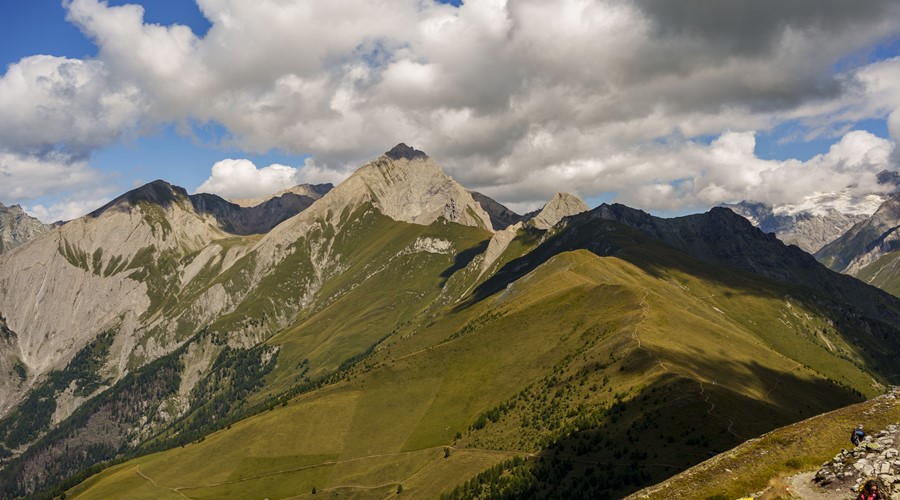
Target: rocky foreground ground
(875,458)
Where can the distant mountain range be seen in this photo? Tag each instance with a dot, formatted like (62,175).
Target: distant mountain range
(399,333)
(869,250)
(817,220)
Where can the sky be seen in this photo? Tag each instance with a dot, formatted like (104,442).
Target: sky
(671,107)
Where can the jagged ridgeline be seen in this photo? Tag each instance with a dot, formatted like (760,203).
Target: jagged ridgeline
(401,334)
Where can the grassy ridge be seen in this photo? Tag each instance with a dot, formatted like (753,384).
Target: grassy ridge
(580,335)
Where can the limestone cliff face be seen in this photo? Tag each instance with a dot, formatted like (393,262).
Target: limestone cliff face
(561,205)
(498,244)
(17,227)
(403,184)
(106,271)
(501,216)
(408,186)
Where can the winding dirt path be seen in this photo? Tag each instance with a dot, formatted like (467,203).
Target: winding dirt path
(712,406)
(154,483)
(778,381)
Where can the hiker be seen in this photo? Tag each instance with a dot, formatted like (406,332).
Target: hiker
(857,435)
(869,491)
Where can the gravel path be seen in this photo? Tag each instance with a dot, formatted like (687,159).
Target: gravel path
(802,486)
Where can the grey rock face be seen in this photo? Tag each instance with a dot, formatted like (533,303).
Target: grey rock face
(561,205)
(17,227)
(61,290)
(404,185)
(501,216)
(256,219)
(402,151)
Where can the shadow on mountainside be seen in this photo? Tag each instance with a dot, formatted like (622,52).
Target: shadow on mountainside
(462,259)
(875,337)
(649,432)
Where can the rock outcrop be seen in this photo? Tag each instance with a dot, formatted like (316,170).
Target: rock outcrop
(407,185)
(501,216)
(876,458)
(498,244)
(17,227)
(561,205)
(403,184)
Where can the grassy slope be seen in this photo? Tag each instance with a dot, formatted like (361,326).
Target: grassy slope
(883,273)
(802,446)
(382,284)
(647,343)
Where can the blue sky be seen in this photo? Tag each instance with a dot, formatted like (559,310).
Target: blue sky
(40,27)
(518,99)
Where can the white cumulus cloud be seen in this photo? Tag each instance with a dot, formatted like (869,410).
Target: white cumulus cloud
(515,98)
(48,101)
(241,178)
(26,177)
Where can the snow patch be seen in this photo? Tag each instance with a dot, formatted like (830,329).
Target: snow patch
(841,202)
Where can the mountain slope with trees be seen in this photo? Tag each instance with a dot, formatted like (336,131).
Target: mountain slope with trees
(387,337)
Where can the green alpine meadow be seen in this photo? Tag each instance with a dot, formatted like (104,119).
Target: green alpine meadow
(391,336)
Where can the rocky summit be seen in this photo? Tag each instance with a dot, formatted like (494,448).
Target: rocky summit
(561,205)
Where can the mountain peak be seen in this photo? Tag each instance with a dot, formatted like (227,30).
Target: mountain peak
(406,152)
(560,205)
(419,195)
(158,192)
